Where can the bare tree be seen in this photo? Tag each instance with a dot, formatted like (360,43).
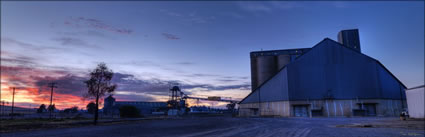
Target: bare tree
(99,84)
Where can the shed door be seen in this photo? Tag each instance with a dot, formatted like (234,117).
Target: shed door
(300,111)
(370,109)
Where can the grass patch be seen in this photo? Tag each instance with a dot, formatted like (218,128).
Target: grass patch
(9,125)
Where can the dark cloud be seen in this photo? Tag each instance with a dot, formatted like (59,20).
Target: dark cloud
(13,76)
(202,75)
(68,84)
(239,86)
(226,80)
(19,60)
(133,96)
(127,82)
(234,78)
(170,36)
(209,87)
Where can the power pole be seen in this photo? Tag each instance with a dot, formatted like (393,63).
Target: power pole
(1,108)
(51,85)
(13,100)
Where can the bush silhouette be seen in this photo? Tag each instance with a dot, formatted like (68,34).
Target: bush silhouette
(129,112)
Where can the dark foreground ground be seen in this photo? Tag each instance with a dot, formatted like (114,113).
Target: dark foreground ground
(240,127)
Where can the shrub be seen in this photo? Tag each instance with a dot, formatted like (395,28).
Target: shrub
(129,112)
(91,107)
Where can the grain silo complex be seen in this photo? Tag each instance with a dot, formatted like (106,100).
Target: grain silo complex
(330,79)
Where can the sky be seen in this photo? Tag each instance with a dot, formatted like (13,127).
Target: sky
(201,46)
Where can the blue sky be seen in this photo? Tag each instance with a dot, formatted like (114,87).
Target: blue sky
(203,45)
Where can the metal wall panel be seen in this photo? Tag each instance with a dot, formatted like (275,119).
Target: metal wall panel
(276,89)
(415,102)
(389,86)
(251,98)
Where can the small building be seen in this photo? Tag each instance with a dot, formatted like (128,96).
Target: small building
(331,79)
(112,106)
(415,101)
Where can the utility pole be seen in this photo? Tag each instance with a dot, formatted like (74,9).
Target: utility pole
(1,108)
(13,100)
(51,85)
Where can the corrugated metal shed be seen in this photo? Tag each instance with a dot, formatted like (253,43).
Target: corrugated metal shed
(330,70)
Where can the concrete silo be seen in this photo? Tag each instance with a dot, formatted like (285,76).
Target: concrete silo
(283,60)
(267,67)
(265,64)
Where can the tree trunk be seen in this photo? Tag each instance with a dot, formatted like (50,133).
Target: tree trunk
(96,113)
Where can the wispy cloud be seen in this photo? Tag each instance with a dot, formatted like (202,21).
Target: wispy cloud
(170,36)
(44,49)
(189,18)
(80,22)
(254,6)
(185,63)
(90,33)
(18,60)
(72,41)
(266,6)
(15,42)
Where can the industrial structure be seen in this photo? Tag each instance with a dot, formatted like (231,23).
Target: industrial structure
(177,101)
(330,79)
(415,101)
(176,105)
(111,106)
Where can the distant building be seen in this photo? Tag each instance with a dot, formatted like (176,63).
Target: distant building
(330,79)
(6,110)
(415,101)
(146,108)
